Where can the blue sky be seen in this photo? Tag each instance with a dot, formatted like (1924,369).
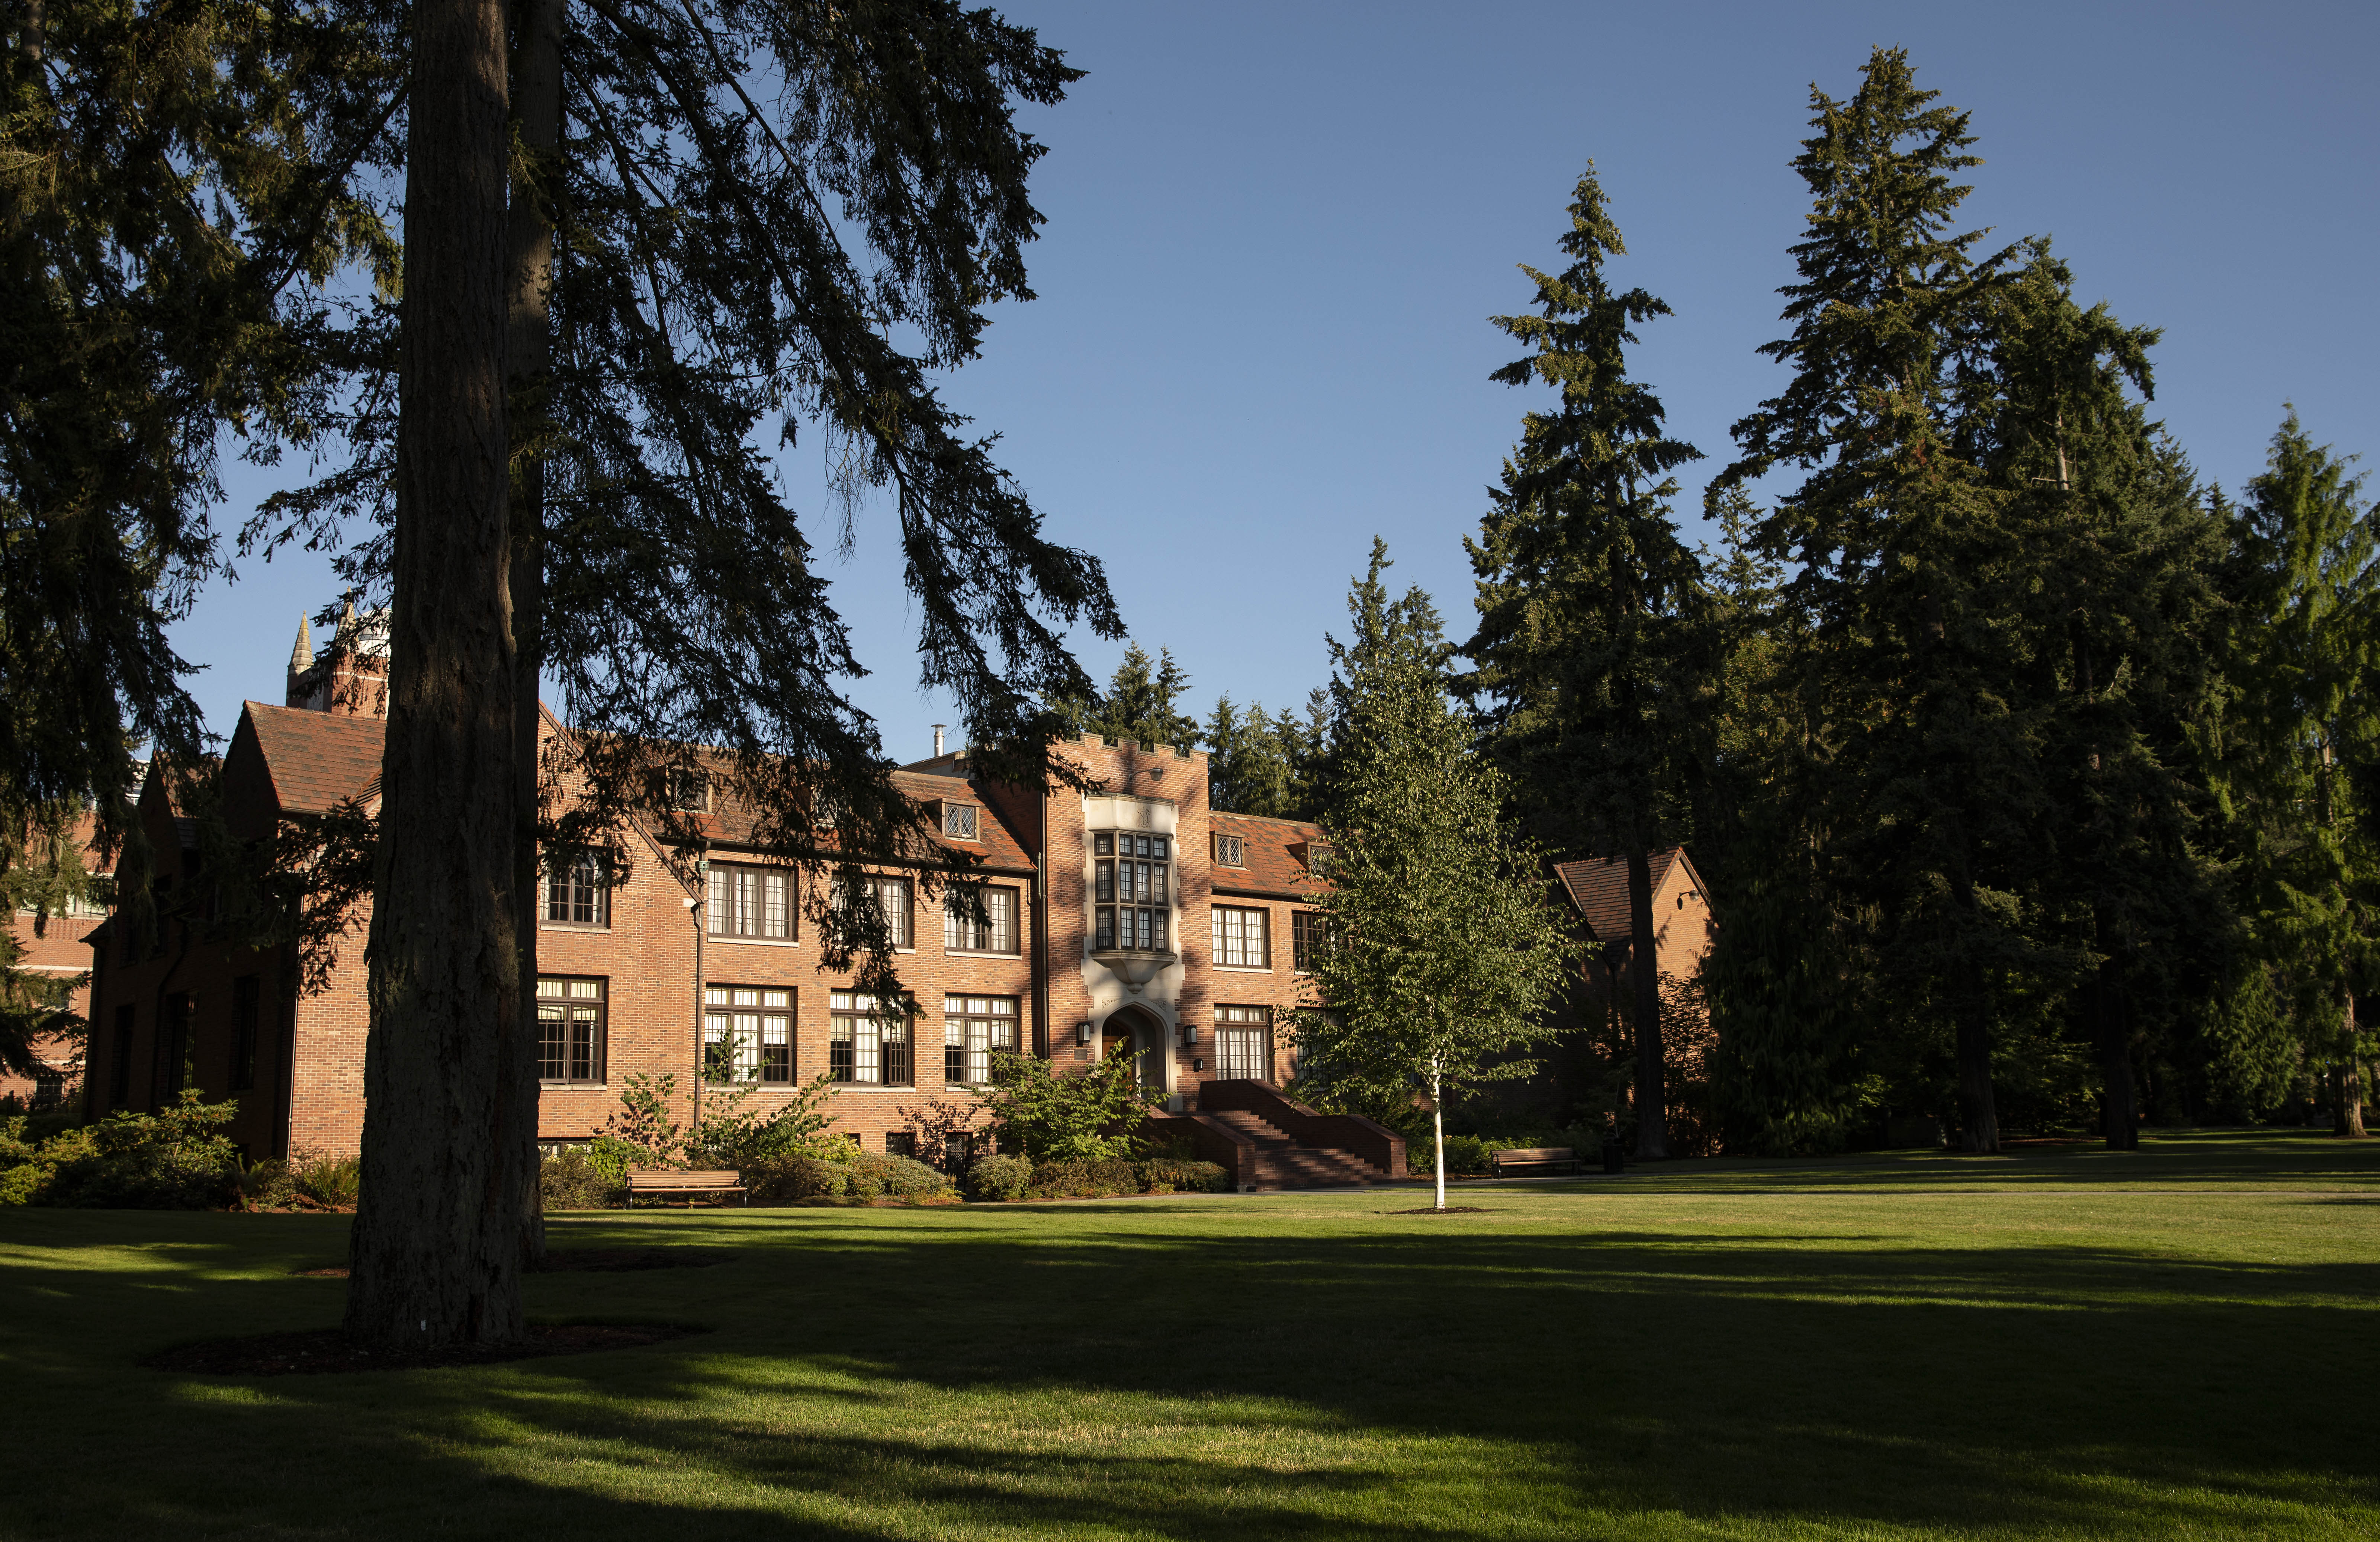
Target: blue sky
(1276,233)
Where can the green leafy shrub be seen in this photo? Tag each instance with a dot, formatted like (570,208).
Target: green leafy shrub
(333,1182)
(733,1133)
(875,1175)
(1050,1118)
(573,1178)
(784,1180)
(1083,1180)
(613,1159)
(644,1123)
(860,1175)
(1179,1175)
(265,1185)
(21,1182)
(177,1159)
(997,1178)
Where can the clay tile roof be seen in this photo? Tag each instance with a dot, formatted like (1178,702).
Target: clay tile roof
(1277,851)
(1000,845)
(735,820)
(316,758)
(1598,886)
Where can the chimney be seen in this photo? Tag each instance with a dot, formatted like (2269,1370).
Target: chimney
(938,740)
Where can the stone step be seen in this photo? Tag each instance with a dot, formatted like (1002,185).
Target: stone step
(1281,1163)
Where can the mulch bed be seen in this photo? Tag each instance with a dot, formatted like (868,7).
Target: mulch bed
(603,1261)
(327,1351)
(1450,1209)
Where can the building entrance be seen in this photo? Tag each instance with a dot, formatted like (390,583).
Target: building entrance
(1133,1031)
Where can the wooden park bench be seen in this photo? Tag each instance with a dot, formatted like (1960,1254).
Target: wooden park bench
(667,1183)
(1532,1158)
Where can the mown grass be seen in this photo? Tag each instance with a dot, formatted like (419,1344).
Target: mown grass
(2175,1343)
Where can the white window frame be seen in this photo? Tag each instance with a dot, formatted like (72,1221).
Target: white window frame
(1230,924)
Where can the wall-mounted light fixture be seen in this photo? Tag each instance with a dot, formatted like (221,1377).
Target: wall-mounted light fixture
(1189,1035)
(1082,1033)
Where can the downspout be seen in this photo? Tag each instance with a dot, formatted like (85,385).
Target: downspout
(694,910)
(1041,1042)
(90,1025)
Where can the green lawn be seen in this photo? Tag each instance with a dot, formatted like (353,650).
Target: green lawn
(2175,1343)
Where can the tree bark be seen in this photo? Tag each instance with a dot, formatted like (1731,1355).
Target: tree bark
(528,364)
(1438,1128)
(1645,982)
(2347,1085)
(2120,1106)
(1979,1119)
(435,1251)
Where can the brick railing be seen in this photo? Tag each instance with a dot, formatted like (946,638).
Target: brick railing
(1235,1154)
(1367,1138)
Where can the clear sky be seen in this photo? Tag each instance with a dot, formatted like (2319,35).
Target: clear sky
(1275,232)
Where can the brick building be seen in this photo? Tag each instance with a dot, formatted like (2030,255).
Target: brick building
(59,946)
(1131,920)
(1682,914)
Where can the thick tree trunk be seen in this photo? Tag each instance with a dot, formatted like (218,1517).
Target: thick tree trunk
(2119,1103)
(436,1247)
(1645,982)
(529,362)
(1979,1119)
(2347,1085)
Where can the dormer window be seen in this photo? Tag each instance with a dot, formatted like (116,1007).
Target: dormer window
(959,821)
(1231,851)
(689,791)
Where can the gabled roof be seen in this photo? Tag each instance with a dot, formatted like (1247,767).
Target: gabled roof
(735,822)
(1598,886)
(1277,851)
(316,758)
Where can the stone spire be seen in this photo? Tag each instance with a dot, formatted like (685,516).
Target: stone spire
(301,656)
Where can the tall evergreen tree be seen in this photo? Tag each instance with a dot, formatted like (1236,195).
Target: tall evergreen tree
(1140,705)
(1247,768)
(2297,746)
(2125,552)
(174,180)
(1907,568)
(435,1254)
(1448,946)
(746,220)
(1780,969)
(1596,646)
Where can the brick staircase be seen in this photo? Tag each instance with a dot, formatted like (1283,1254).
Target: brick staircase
(1281,1163)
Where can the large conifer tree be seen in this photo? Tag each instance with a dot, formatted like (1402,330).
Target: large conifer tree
(1905,565)
(2298,748)
(2124,554)
(731,222)
(1595,652)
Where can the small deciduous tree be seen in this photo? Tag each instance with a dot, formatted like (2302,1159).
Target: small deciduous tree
(1448,949)
(1038,1113)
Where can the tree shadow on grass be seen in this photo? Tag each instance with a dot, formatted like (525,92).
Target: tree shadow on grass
(1158,1374)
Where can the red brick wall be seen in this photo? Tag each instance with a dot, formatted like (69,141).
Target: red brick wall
(646,955)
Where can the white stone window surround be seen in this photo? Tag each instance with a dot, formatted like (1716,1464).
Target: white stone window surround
(1109,992)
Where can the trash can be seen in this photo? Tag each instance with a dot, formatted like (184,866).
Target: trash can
(1614,1159)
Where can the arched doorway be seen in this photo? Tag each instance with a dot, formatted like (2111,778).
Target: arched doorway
(1134,1030)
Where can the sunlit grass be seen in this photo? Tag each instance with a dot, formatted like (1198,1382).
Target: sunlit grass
(2060,1344)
